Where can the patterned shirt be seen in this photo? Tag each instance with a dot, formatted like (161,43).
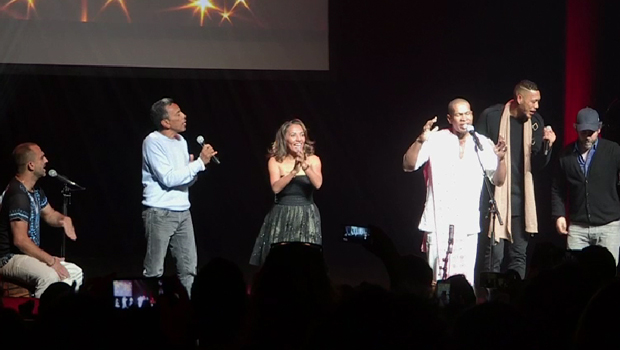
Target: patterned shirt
(19,204)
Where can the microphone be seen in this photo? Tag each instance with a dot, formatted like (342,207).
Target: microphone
(470,130)
(201,142)
(546,143)
(64,179)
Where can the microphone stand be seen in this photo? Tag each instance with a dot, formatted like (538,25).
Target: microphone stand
(66,200)
(446,260)
(493,212)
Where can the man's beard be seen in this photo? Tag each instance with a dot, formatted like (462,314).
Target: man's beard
(587,145)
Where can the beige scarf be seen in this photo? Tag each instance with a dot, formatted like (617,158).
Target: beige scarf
(502,194)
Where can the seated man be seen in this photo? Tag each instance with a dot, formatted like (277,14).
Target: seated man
(23,206)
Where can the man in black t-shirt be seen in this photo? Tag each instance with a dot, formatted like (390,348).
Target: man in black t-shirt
(23,207)
(526,135)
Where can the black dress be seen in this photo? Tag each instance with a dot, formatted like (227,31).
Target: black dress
(293,218)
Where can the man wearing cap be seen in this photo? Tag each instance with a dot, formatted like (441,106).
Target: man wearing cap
(586,176)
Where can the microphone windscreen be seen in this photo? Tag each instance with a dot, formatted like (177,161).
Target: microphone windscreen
(52,173)
(469,127)
(200,139)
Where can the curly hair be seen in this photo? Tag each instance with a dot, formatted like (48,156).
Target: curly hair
(278,148)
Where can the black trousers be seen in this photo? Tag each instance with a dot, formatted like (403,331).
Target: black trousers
(515,252)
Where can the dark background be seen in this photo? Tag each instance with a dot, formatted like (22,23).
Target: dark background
(394,64)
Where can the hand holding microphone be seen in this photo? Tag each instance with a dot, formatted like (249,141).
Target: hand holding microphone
(547,137)
(299,153)
(207,151)
(300,157)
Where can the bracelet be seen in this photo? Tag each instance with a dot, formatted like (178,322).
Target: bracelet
(53,262)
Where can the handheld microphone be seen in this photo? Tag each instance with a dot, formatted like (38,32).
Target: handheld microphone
(470,130)
(201,142)
(546,143)
(64,179)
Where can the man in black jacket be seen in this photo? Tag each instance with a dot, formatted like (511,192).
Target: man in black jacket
(587,175)
(529,150)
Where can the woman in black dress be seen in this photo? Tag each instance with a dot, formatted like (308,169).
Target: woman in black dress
(294,173)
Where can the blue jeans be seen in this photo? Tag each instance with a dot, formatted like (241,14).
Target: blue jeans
(165,228)
(583,235)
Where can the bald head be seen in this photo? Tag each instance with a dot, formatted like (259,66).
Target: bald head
(452,105)
(23,154)
(460,116)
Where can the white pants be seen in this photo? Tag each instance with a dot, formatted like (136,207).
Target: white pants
(462,261)
(34,273)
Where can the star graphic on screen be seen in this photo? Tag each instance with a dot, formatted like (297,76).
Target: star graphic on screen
(240,2)
(84,16)
(202,7)
(226,16)
(30,8)
(122,4)
(245,5)
(205,7)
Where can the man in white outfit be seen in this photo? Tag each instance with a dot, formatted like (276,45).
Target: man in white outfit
(453,170)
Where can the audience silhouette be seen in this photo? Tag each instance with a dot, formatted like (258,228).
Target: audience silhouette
(292,303)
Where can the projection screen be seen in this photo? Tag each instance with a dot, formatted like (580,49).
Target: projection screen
(202,34)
